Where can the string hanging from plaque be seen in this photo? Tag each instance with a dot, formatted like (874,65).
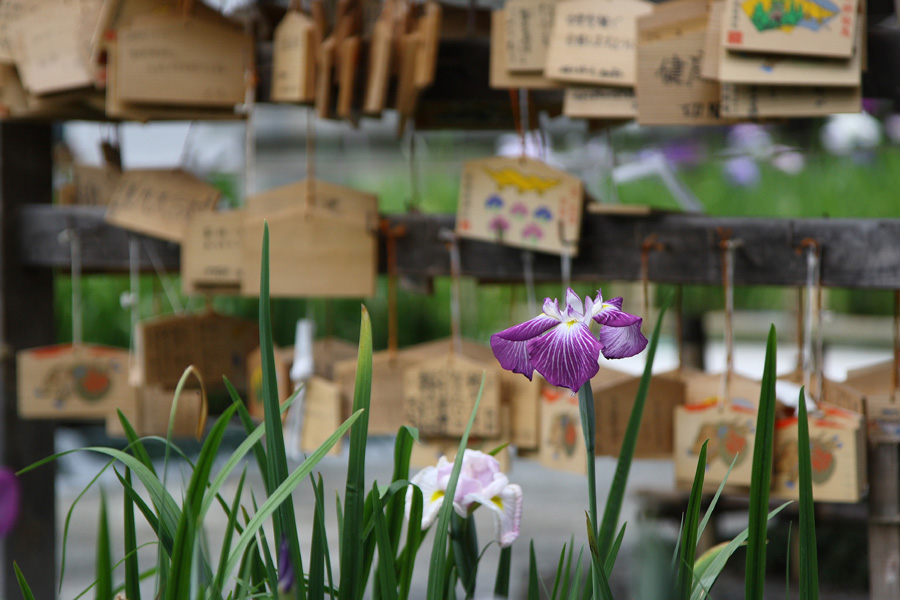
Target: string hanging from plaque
(77,380)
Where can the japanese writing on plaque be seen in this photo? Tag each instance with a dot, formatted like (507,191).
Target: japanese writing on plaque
(677,69)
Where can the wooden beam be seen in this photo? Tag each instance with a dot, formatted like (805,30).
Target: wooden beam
(26,320)
(856,253)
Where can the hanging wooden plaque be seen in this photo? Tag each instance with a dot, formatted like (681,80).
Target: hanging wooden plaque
(160,203)
(294,59)
(94,186)
(211,253)
(600,102)
(72,382)
(810,27)
(520,202)
(313,253)
(429,28)
(528,27)
(217,345)
(562,445)
(255,400)
(326,195)
(770,101)
(321,414)
(595,42)
(167,60)
(439,395)
(500,75)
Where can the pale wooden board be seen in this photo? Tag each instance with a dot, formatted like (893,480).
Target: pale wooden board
(329,351)
(709,69)
(595,41)
(520,202)
(326,195)
(439,395)
(670,88)
(293,59)
(217,345)
(321,414)
(159,202)
(770,101)
(211,252)
(523,397)
(255,400)
(50,51)
(168,60)
(379,72)
(528,27)
(600,102)
(771,69)
(11,11)
(500,75)
(429,28)
(156,408)
(820,30)
(562,445)
(94,186)
(72,382)
(313,253)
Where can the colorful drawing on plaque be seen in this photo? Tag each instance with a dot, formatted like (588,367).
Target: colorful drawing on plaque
(499,225)
(543,214)
(823,459)
(564,434)
(727,440)
(510,177)
(784,15)
(533,232)
(519,210)
(88,381)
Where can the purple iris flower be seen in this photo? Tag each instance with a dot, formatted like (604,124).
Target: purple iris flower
(9,501)
(285,569)
(559,344)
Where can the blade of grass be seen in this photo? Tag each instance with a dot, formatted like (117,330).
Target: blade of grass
(576,580)
(436,571)
(387,574)
(283,492)
(219,584)
(559,573)
(760,481)
(104,586)
(708,567)
(601,587)
(318,546)
(23,584)
(351,576)
(614,551)
(284,522)
(715,498)
(688,551)
(132,568)
(501,584)
(567,575)
(629,442)
(533,585)
(809,564)
(464,544)
(413,542)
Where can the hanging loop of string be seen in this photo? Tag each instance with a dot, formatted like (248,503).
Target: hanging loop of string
(391,234)
(455,273)
(310,159)
(72,236)
(249,134)
(168,288)
(812,322)
(727,245)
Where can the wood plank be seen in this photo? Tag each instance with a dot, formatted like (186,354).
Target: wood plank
(26,320)
(857,253)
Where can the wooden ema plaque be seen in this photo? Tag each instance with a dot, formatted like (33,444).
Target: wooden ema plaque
(500,75)
(528,27)
(670,89)
(562,443)
(72,382)
(150,410)
(523,400)
(837,440)
(874,383)
(588,102)
(217,345)
(321,414)
(811,27)
(769,102)
(520,202)
(439,395)
(730,428)
(94,186)
(595,42)
(326,195)
(283,360)
(211,253)
(429,450)
(294,59)
(313,253)
(165,59)
(159,203)
(329,351)
(614,401)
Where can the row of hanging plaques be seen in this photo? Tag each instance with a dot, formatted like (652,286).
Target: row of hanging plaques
(684,62)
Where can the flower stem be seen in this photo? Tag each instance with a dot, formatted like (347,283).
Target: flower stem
(588,426)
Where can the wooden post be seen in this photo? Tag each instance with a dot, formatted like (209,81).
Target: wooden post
(26,320)
(884,517)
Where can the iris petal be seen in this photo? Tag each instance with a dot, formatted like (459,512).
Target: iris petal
(611,313)
(507,510)
(574,305)
(622,342)
(432,495)
(566,355)
(529,329)
(509,345)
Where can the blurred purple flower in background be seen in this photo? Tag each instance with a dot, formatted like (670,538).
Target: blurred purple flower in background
(742,171)
(789,161)
(10,501)
(285,570)
(685,153)
(751,139)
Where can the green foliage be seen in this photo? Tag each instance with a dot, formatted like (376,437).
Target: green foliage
(809,566)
